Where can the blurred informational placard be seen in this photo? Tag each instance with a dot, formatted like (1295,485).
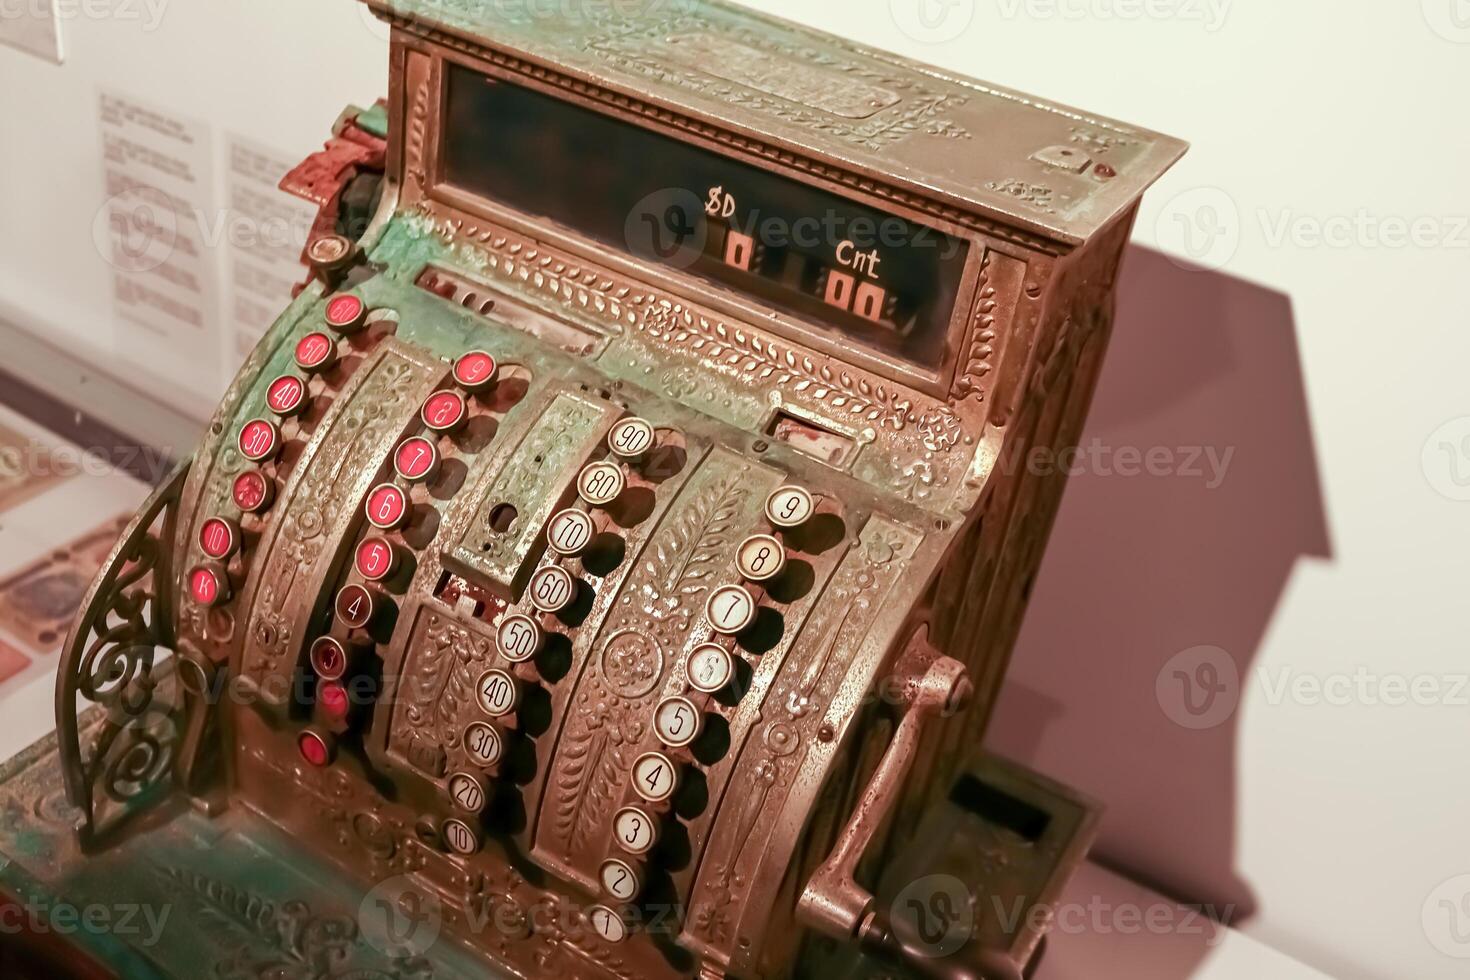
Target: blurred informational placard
(269,229)
(160,232)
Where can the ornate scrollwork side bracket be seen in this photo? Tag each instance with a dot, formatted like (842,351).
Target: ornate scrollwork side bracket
(115,659)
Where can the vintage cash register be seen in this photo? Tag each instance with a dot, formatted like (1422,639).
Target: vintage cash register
(607,564)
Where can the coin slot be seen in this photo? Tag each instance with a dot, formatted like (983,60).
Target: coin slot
(810,439)
(503,518)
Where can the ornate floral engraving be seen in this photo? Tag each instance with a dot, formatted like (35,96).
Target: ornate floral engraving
(1101,141)
(676,328)
(264,940)
(416,139)
(977,363)
(348,452)
(652,616)
(121,766)
(1037,197)
(821,89)
(794,706)
(549,456)
(444,659)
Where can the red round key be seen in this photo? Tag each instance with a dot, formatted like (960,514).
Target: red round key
(219,538)
(315,352)
(286,395)
(387,507)
(355,607)
(334,701)
(314,749)
(207,586)
(253,492)
(329,658)
(345,312)
(475,370)
(445,411)
(376,559)
(260,440)
(416,459)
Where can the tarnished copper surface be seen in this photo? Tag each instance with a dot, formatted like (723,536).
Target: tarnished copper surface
(459,643)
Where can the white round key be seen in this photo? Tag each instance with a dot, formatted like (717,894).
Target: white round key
(710,668)
(552,589)
(635,830)
(607,923)
(467,791)
(570,532)
(761,557)
(483,744)
(498,693)
(601,483)
(731,608)
(790,506)
(678,722)
(630,438)
(519,638)
(619,880)
(460,837)
(654,777)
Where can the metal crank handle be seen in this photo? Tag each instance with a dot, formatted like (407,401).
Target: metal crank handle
(833,903)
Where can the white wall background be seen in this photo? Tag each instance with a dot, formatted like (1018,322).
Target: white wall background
(1320,356)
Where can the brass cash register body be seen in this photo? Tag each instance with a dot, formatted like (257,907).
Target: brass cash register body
(617,547)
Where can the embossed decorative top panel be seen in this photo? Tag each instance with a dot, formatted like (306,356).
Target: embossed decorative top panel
(1047,168)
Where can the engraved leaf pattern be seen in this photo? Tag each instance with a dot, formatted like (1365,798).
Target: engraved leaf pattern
(685,555)
(574,762)
(748,353)
(418,128)
(605,779)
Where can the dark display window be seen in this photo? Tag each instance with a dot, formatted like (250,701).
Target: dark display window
(877,279)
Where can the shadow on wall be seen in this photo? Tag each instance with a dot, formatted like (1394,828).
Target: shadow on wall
(1193,497)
